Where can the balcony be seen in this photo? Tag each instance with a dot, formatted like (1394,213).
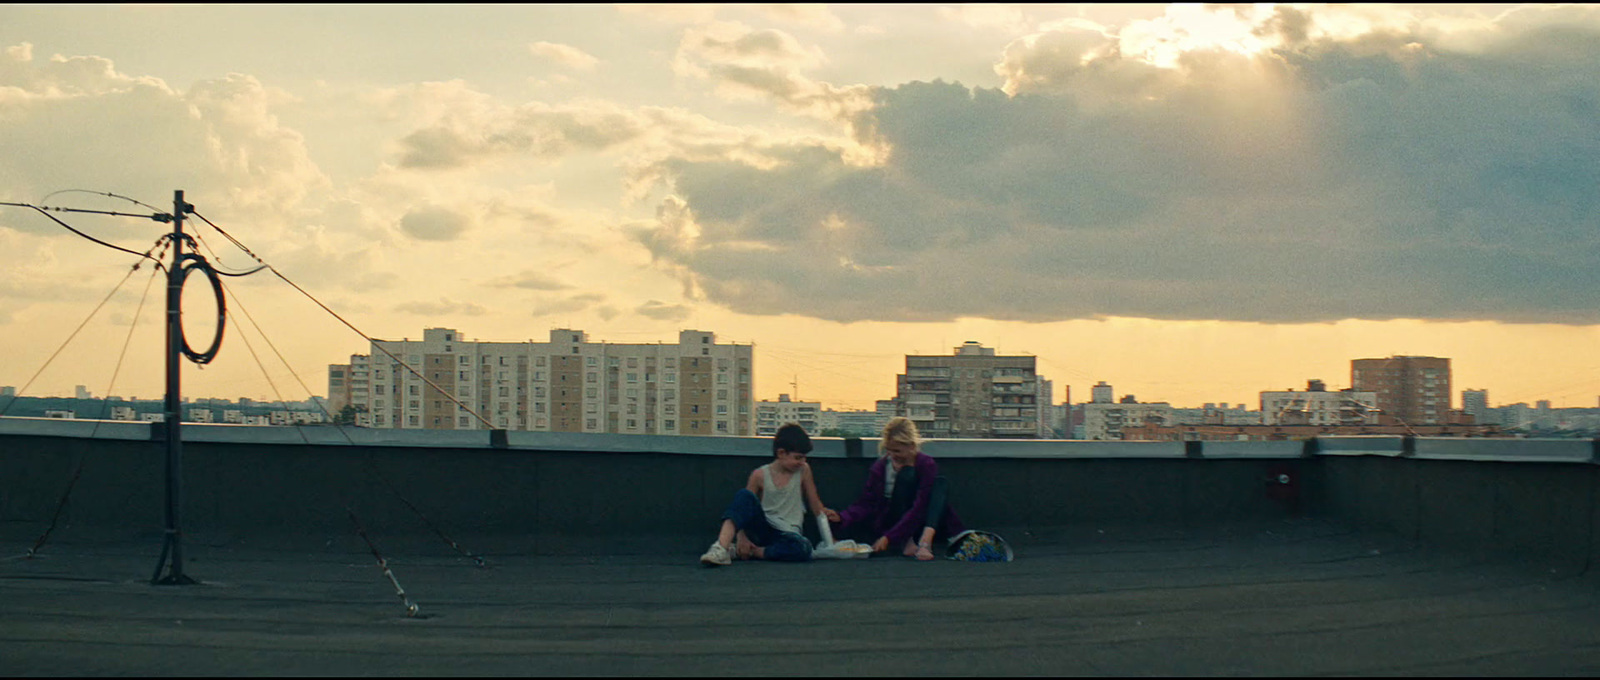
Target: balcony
(1380,556)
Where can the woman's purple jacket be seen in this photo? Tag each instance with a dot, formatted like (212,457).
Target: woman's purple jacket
(873,507)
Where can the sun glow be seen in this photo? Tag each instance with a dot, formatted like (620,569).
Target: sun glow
(1188,27)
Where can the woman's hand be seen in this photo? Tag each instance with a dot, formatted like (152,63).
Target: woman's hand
(881,544)
(831,514)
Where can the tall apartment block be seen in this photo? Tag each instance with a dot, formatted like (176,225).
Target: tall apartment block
(1475,403)
(568,384)
(972,394)
(771,415)
(1318,406)
(1412,390)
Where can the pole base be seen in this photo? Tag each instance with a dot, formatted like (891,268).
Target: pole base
(176,580)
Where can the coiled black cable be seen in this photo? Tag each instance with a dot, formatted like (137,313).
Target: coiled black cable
(186,263)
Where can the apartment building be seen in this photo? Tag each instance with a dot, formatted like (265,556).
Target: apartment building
(1106,421)
(1476,404)
(771,415)
(1318,406)
(865,424)
(567,384)
(1410,390)
(972,393)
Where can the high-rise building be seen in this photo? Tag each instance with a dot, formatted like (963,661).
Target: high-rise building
(569,384)
(1106,420)
(972,393)
(350,384)
(771,415)
(1411,390)
(1475,403)
(1100,393)
(864,424)
(1317,406)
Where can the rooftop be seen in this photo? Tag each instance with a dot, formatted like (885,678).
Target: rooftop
(1403,557)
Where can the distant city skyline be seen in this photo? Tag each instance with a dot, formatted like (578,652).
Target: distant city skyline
(1192,203)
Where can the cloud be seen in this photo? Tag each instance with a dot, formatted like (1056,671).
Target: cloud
(565,55)
(529,280)
(434,223)
(535,129)
(1296,170)
(769,64)
(77,122)
(569,304)
(444,307)
(662,311)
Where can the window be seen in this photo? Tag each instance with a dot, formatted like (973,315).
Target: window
(633,362)
(590,361)
(593,377)
(672,377)
(670,424)
(592,393)
(591,424)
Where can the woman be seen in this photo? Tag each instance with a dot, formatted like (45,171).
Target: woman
(905,499)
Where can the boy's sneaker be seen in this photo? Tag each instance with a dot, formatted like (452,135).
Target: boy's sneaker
(716,556)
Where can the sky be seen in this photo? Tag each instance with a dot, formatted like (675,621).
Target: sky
(1191,203)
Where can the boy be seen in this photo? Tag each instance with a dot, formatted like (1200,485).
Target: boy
(765,515)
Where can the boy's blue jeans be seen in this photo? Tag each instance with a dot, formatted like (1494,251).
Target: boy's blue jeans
(747,516)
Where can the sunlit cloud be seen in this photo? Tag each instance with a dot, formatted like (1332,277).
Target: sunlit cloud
(1192,189)
(564,55)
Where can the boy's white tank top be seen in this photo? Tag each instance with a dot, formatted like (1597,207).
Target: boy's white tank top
(782,506)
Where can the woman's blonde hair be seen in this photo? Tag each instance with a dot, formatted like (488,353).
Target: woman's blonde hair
(899,430)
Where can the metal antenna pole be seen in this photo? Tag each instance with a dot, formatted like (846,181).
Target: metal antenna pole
(174,424)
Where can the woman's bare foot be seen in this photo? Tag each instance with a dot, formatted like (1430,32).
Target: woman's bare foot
(911,548)
(924,552)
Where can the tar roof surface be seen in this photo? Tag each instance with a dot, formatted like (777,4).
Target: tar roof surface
(1294,597)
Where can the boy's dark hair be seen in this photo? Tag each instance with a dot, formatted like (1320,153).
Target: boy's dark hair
(791,437)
